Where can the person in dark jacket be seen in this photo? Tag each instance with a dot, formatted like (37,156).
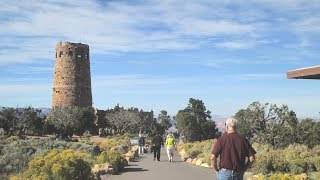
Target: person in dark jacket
(157,142)
(141,142)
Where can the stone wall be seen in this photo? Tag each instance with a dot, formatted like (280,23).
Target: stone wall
(72,79)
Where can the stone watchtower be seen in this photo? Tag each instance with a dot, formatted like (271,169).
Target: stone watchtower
(72,79)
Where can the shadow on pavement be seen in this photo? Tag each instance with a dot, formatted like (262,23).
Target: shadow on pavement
(128,169)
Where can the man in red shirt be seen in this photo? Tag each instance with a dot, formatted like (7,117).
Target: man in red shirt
(233,150)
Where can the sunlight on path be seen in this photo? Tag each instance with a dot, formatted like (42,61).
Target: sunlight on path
(147,169)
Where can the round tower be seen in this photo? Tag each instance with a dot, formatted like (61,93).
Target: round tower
(72,79)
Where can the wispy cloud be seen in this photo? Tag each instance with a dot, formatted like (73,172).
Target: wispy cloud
(140,80)
(28,69)
(236,44)
(308,25)
(29,31)
(24,89)
(168,50)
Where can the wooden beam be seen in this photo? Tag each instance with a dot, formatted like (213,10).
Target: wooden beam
(305,73)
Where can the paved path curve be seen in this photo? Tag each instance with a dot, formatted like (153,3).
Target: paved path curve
(144,168)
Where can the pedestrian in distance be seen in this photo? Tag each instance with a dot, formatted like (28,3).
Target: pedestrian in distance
(233,150)
(141,143)
(171,145)
(157,142)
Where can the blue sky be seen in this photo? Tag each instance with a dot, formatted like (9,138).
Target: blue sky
(157,54)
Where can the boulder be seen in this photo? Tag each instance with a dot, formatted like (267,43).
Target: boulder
(134,150)
(189,160)
(129,156)
(206,165)
(199,161)
(184,156)
(194,161)
(100,169)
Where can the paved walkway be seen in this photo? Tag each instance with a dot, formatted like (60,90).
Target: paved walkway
(144,168)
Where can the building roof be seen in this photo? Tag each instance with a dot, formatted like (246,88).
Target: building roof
(305,73)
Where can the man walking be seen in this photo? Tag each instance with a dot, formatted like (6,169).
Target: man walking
(233,150)
(157,142)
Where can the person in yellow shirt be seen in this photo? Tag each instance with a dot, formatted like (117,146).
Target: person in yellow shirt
(170,143)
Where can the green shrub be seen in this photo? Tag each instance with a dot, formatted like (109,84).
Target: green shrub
(111,142)
(65,165)
(108,144)
(187,146)
(281,177)
(12,138)
(198,149)
(15,155)
(279,162)
(262,148)
(263,164)
(316,150)
(194,153)
(316,163)
(315,160)
(313,175)
(112,157)
(297,157)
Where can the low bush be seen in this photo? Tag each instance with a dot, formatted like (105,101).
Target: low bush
(295,159)
(270,162)
(11,139)
(298,157)
(313,175)
(112,157)
(16,154)
(111,143)
(277,176)
(65,165)
(108,144)
(198,149)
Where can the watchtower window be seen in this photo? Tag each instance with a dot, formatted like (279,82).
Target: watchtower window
(56,55)
(79,55)
(61,54)
(70,53)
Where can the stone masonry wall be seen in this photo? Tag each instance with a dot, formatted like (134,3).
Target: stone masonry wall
(72,79)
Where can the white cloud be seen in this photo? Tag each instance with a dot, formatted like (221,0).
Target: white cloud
(30,70)
(236,44)
(137,80)
(31,30)
(24,89)
(202,27)
(308,25)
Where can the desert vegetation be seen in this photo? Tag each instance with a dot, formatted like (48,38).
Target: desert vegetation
(37,146)
(286,147)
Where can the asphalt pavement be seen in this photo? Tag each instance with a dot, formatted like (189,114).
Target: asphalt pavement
(145,168)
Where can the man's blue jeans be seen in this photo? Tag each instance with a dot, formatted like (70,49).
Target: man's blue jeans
(228,175)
